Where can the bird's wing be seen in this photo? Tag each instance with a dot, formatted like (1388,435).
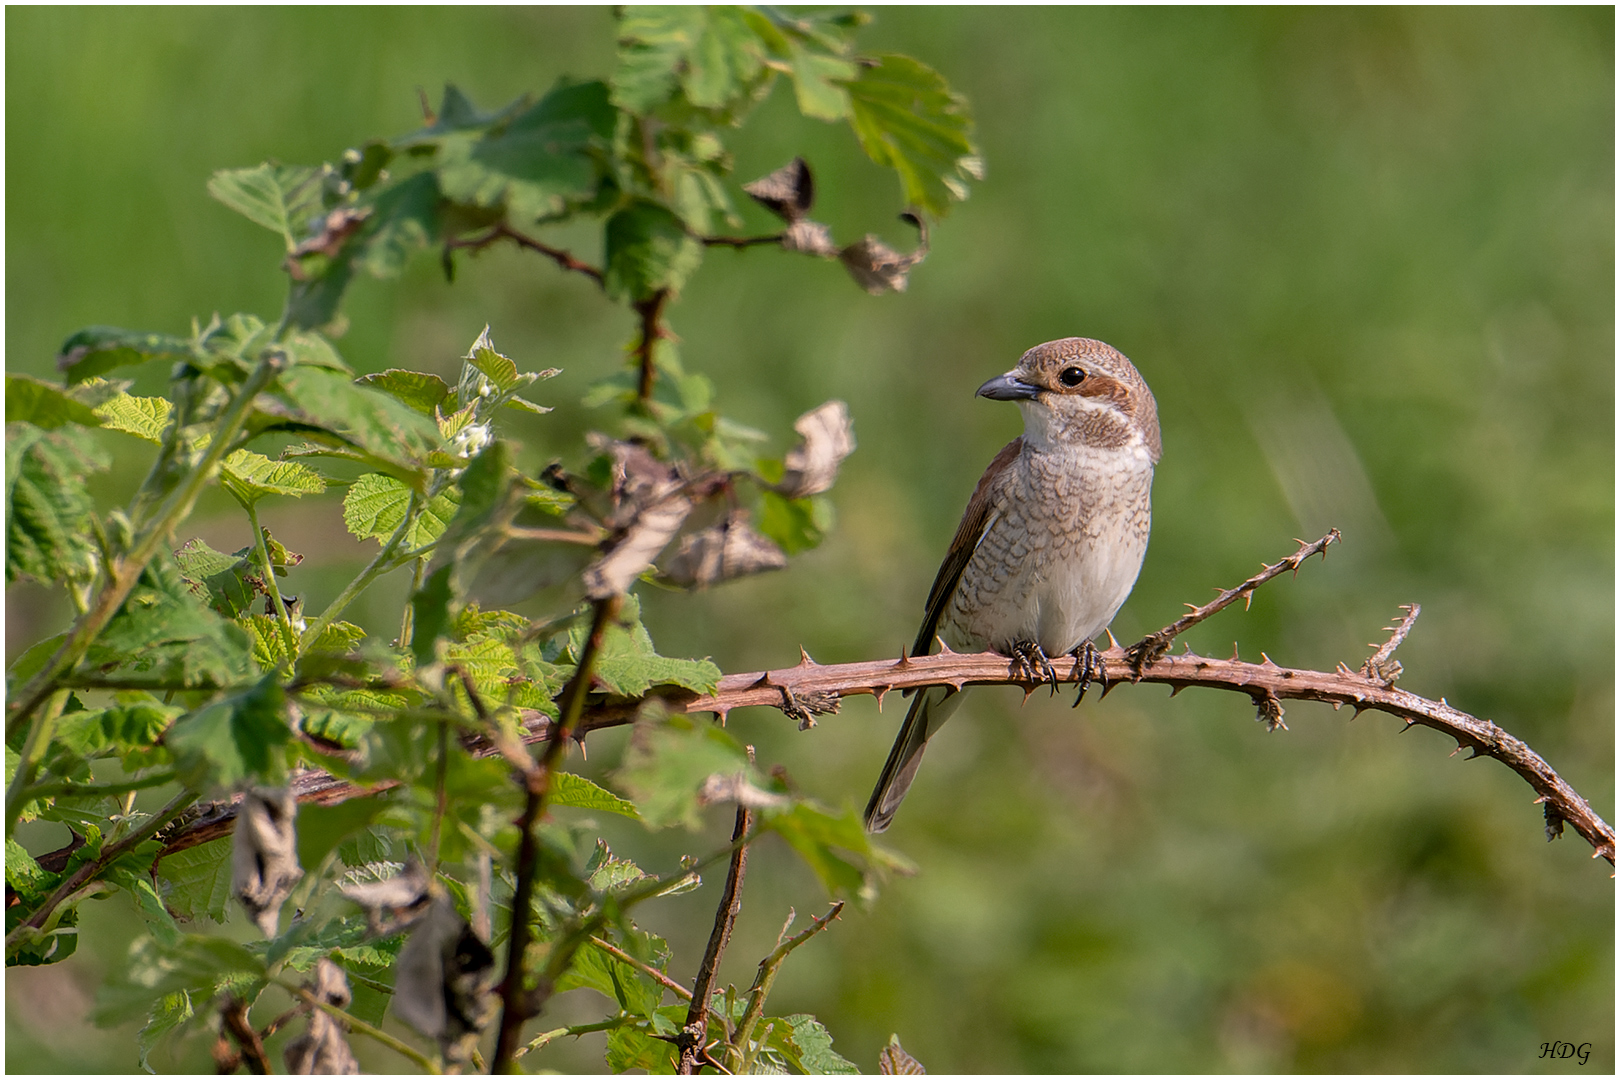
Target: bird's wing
(975,520)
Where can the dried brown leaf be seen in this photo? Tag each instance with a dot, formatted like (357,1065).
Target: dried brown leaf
(323,1049)
(393,903)
(788,192)
(894,1061)
(810,238)
(727,549)
(829,438)
(441,982)
(264,855)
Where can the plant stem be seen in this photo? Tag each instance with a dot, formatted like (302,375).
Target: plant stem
(538,782)
(289,637)
(651,311)
(46,791)
(126,571)
(377,567)
(545,1037)
(739,1051)
(108,855)
(33,749)
(406,620)
(355,1024)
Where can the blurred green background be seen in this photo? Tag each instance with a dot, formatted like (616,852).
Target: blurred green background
(1364,258)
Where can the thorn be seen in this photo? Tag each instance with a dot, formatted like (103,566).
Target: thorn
(1189,607)
(878,692)
(804,659)
(1248,598)
(1477,753)
(1337,705)
(1028,690)
(1538,802)
(1107,689)
(1343,670)
(1113,642)
(1234,651)
(1410,724)
(763,680)
(1176,688)
(721,714)
(1460,749)
(957,684)
(943,648)
(1359,710)
(1267,661)
(904,661)
(1186,648)
(1443,702)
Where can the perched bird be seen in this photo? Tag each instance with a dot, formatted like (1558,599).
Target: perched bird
(1051,541)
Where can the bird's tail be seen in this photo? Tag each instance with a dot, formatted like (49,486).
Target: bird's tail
(929,710)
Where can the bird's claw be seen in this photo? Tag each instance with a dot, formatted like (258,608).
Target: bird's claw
(1089,665)
(1031,664)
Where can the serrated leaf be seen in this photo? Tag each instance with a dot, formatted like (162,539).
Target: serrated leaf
(240,739)
(404,220)
(647,249)
(667,765)
(143,417)
(836,846)
(311,349)
(250,477)
(807,1046)
(634,1048)
(366,418)
(194,963)
(44,404)
(568,789)
(628,664)
(169,1012)
(795,524)
(420,390)
(98,349)
(535,166)
(908,119)
(198,880)
(165,631)
(430,608)
(376,504)
(592,966)
(283,198)
(227,583)
(49,536)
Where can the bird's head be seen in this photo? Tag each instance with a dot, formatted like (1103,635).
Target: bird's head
(1076,390)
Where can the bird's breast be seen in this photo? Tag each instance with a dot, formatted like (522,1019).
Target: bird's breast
(1064,544)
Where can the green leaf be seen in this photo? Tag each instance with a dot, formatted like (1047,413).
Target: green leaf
(632,1047)
(240,739)
(143,417)
(365,418)
(714,54)
(648,249)
(322,828)
(536,166)
(282,198)
(98,349)
(594,967)
(131,729)
(376,504)
(430,607)
(249,477)
(227,583)
(668,763)
(44,405)
(49,535)
(807,1046)
(836,846)
(164,630)
(627,663)
(795,524)
(404,220)
(311,349)
(421,391)
(197,880)
(169,1012)
(194,963)
(909,120)
(653,43)
(567,789)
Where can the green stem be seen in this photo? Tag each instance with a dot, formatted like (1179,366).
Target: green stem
(378,566)
(355,1024)
(739,1051)
(33,749)
(46,791)
(108,856)
(406,621)
(289,637)
(126,571)
(545,1037)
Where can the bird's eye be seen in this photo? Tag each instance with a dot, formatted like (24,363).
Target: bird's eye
(1071,376)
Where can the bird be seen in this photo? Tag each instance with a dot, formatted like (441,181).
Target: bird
(1052,539)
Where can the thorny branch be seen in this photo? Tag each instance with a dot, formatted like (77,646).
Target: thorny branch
(651,311)
(817,687)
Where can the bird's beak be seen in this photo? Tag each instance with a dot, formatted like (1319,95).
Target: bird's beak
(1009,387)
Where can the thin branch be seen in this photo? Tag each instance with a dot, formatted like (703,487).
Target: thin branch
(739,1054)
(651,311)
(233,1015)
(545,1037)
(514,1010)
(646,969)
(1382,664)
(504,231)
(741,242)
(1156,644)
(359,1026)
(695,1035)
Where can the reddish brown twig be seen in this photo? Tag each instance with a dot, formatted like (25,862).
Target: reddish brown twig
(651,311)
(250,1048)
(740,242)
(1382,664)
(1158,643)
(695,1035)
(503,231)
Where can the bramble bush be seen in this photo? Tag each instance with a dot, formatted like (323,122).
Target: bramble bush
(386,794)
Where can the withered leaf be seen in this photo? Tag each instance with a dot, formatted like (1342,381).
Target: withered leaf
(788,192)
(829,438)
(737,788)
(393,903)
(264,856)
(810,238)
(649,508)
(441,983)
(323,1049)
(894,1061)
(727,549)
(877,267)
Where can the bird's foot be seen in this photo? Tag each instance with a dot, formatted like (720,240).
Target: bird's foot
(1089,666)
(1030,662)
